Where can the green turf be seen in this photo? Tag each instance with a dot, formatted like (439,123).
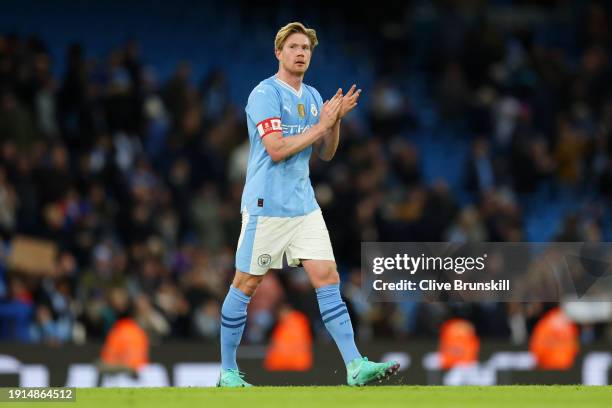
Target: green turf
(336,397)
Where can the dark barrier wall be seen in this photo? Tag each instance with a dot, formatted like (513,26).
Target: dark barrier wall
(191,364)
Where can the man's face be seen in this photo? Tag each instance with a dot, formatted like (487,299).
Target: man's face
(295,54)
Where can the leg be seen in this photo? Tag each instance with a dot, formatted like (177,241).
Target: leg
(313,248)
(247,283)
(321,273)
(359,371)
(260,248)
(326,281)
(234,316)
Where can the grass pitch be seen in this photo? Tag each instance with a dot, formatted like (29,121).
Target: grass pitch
(335,397)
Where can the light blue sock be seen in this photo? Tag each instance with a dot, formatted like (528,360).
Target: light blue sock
(233,320)
(337,321)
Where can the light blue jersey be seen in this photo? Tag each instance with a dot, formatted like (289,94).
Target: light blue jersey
(280,189)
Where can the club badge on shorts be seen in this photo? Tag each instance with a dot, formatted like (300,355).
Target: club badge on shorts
(264,260)
(301,110)
(313,109)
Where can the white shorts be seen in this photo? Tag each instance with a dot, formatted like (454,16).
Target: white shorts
(264,240)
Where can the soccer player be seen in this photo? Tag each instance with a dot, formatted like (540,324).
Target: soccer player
(287,120)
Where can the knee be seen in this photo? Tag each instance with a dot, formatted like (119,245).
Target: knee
(246,283)
(328,275)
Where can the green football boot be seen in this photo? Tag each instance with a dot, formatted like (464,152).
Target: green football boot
(361,371)
(232,378)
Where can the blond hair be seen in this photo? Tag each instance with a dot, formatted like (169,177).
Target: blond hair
(293,28)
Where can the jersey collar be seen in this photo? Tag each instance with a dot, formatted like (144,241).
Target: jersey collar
(289,87)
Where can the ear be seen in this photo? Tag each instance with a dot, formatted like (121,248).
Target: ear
(277,53)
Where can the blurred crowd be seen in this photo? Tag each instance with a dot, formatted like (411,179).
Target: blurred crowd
(138,179)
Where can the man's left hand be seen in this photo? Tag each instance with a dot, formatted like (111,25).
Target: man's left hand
(349,101)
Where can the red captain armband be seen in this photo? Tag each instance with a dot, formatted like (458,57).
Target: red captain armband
(265,127)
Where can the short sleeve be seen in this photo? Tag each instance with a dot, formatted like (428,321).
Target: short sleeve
(264,109)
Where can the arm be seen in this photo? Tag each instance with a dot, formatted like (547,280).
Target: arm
(279,147)
(328,144)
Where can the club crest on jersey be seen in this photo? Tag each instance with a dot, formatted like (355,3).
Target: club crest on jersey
(301,110)
(313,109)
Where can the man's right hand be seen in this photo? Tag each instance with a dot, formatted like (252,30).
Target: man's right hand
(330,111)
(279,147)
